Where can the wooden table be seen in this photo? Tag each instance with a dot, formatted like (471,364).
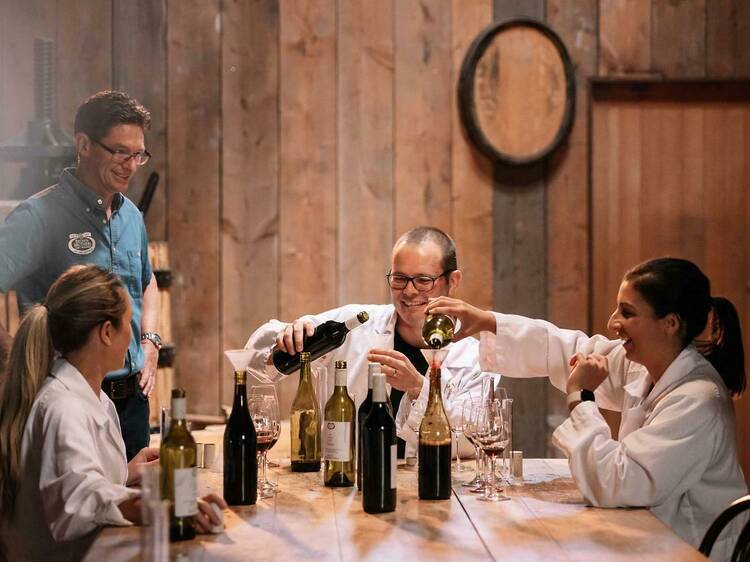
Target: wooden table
(544,520)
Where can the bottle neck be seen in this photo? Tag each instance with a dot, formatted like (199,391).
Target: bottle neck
(305,374)
(378,388)
(436,394)
(340,378)
(240,390)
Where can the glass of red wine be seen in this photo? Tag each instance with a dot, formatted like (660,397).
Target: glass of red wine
(491,433)
(264,409)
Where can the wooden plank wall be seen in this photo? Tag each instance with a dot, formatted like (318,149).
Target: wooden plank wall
(296,139)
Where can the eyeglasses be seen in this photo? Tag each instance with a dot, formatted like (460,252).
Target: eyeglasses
(122,156)
(422,283)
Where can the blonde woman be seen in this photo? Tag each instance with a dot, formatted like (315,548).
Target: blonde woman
(63,470)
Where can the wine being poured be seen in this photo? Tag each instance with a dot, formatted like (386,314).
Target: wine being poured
(438,330)
(327,337)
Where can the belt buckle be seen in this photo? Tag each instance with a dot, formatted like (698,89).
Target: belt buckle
(119,389)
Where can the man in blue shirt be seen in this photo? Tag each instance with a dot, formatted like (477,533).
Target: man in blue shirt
(85,218)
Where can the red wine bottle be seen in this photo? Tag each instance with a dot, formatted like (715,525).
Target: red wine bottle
(434,472)
(364,410)
(379,454)
(240,446)
(327,337)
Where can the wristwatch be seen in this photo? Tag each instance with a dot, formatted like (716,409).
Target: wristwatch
(581,396)
(154,338)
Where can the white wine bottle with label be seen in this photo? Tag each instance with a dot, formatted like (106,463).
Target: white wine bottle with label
(177,458)
(338,434)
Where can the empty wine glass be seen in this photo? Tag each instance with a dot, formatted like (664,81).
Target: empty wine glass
(468,421)
(264,409)
(457,429)
(492,435)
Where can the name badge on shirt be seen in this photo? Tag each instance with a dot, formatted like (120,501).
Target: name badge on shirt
(81,243)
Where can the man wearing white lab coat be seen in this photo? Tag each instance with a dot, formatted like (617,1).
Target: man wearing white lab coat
(676,449)
(423,265)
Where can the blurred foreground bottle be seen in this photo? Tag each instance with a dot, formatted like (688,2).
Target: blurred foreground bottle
(177,458)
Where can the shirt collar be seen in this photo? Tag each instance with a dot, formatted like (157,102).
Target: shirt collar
(687,365)
(73,380)
(91,199)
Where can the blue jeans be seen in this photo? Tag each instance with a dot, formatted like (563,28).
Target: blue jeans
(133,414)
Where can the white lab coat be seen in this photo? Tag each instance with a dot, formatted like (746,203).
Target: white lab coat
(676,452)
(460,373)
(73,469)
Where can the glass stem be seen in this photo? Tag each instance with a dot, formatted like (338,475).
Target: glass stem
(263,464)
(489,491)
(477,469)
(458,454)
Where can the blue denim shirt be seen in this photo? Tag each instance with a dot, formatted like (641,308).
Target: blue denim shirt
(64,225)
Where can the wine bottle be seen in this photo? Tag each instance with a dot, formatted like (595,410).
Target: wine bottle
(240,450)
(364,410)
(177,457)
(338,427)
(434,472)
(327,337)
(379,454)
(305,422)
(437,330)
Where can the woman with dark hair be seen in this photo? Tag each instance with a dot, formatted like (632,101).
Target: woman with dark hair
(676,448)
(63,470)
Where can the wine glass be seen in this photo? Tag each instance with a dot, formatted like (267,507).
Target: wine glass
(468,421)
(457,429)
(492,435)
(264,409)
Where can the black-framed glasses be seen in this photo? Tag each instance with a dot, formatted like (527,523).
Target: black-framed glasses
(122,156)
(422,283)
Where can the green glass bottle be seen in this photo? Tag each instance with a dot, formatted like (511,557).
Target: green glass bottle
(177,458)
(304,422)
(338,433)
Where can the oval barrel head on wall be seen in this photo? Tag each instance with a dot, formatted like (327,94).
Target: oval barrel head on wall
(516,91)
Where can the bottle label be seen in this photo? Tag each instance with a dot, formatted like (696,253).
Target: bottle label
(337,441)
(394,449)
(185,491)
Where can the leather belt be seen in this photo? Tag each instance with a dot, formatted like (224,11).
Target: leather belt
(121,388)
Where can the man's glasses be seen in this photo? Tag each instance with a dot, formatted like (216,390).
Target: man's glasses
(122,156)
(422,283)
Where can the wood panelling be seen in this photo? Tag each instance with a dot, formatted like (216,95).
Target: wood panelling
(139,67)
(624,37)
(423,114)
(727,38)
(678,38)
(93,49)
(21,21)
(250,173)
(193,50)
(365,180)
(471,172)
(297,139)
(308,156)
(519,249)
